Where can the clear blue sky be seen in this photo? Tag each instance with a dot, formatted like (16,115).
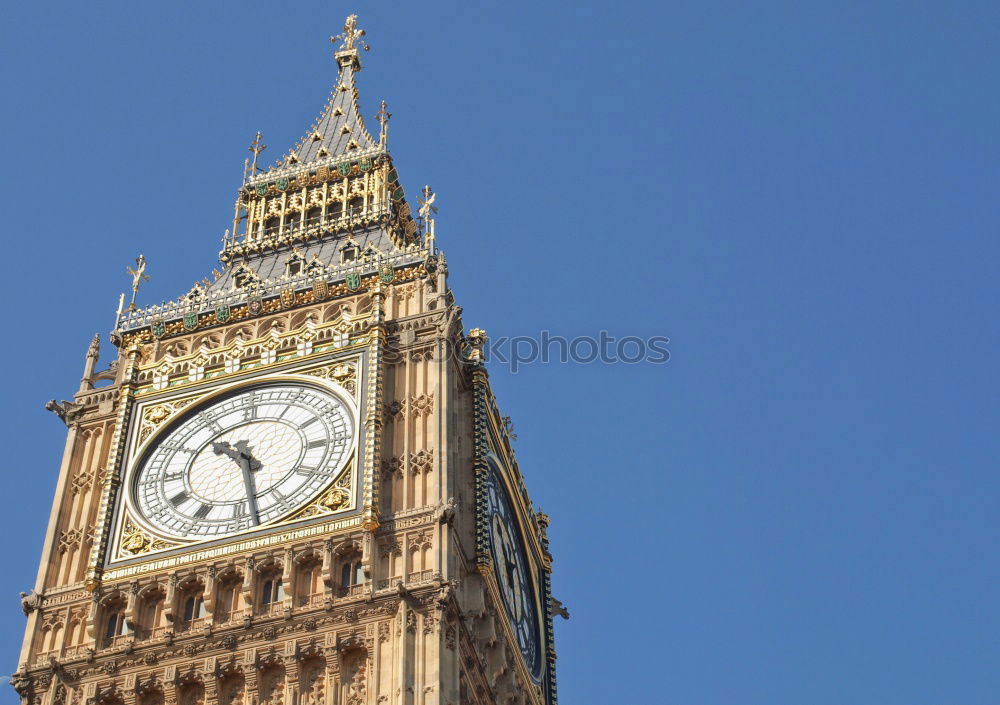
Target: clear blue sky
(801,507)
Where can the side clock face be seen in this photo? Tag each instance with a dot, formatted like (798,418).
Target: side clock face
(510,564)
(243,460)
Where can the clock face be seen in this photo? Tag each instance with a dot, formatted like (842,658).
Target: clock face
(243,460)
(511,567)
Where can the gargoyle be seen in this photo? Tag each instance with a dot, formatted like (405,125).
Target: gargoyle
(559,609)
(446,512)
(67,411)
(30,602)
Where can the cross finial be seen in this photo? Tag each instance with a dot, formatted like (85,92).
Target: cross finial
(383,116)
(138,275)
(350,35)
(256,147)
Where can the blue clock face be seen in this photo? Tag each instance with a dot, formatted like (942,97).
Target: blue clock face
(510,565)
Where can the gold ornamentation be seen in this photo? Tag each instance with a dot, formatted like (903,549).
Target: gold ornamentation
(343,372)
(134,542)
(154,416)
(334,499)
(350,35)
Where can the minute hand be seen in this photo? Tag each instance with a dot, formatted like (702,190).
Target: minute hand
(249,484)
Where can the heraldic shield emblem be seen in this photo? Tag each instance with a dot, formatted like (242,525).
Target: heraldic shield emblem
(320,290)
(190,320)
(222,313)
(158,327)
(353,281)
(386,273)
(287,298)
(255,305)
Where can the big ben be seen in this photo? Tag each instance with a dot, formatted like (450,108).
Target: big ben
(293,484)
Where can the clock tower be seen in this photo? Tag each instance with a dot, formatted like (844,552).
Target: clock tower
(293,484)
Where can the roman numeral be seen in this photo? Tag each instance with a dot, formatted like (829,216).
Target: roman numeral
(179,499)
(312,420)
(317,444)
(239,510)
(203,511)
(210,421)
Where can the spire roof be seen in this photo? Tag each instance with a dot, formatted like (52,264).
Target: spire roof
(340,130)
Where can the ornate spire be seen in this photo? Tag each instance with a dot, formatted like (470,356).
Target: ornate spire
(340,130)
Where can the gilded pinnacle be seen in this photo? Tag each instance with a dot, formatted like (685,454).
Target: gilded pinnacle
(350,35)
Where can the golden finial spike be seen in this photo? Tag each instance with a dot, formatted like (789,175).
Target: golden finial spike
(138,275)
(256,147)
(350,35)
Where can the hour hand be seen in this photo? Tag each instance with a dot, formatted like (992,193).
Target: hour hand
(223,448)
(245,452)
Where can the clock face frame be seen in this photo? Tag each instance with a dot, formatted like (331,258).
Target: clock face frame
(512,571)
(243,459)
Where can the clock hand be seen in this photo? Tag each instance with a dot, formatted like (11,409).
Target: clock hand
(244,449)
(248,464)
(223,448)
(249,484)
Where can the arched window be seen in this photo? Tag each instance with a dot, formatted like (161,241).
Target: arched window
(227,598)
(309,582)
(351,573)
(334,210)
(313,216)
(114,622)
(150,609)
(191,605)
(194,608)
(355,205)
(271,591)
(293,221)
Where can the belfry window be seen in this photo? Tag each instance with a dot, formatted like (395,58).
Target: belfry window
(194,608)
(115,623)
(272,591)
(351,574)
